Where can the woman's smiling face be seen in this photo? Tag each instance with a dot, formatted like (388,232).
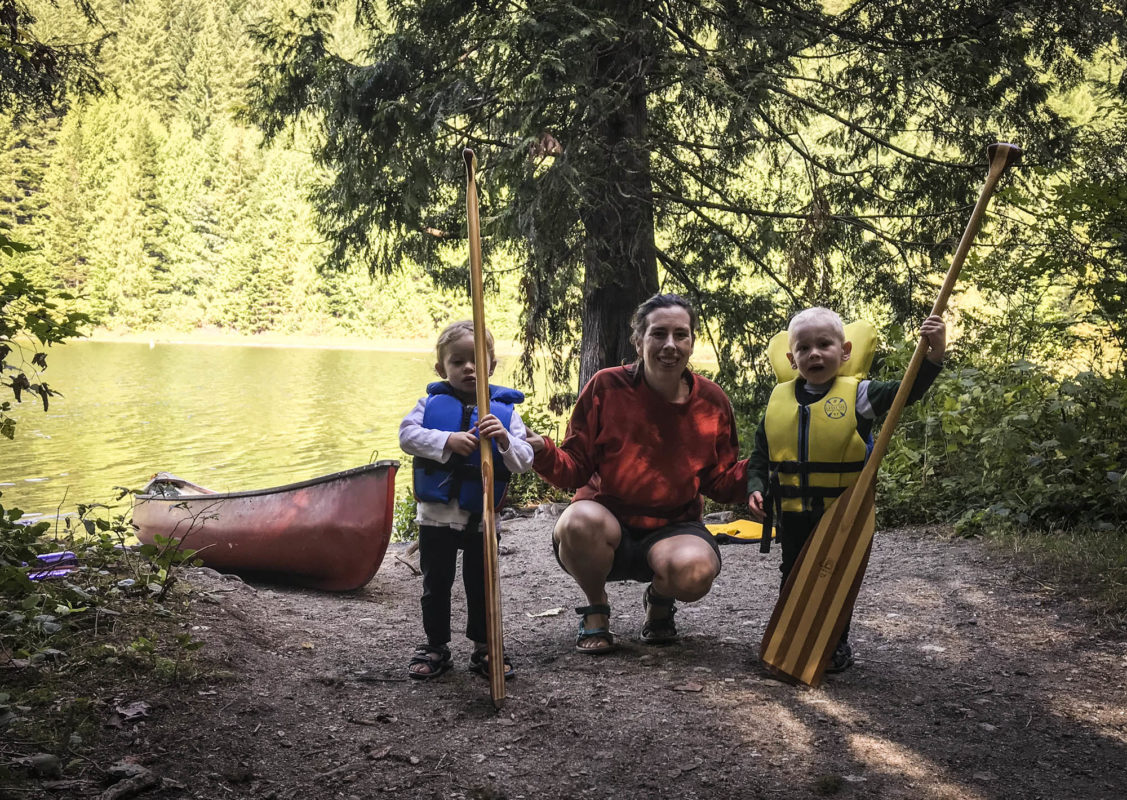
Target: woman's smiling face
(668,341)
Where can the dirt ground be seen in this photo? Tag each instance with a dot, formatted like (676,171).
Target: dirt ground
(970,683)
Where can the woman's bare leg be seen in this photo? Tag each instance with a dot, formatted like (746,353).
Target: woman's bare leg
(587,535)
(684,569)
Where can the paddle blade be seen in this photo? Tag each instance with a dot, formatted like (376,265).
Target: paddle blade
(818,597)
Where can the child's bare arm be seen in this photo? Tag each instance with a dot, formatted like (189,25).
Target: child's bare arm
(935,329)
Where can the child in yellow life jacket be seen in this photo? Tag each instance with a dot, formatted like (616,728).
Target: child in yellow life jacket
(816,433)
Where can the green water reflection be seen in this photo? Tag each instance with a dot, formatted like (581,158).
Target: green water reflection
(226,417)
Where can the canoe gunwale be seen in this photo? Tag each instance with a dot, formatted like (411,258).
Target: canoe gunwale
(289,487)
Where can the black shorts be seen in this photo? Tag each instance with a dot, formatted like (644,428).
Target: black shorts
(631,557)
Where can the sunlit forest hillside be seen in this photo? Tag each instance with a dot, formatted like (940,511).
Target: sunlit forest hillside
(160,210)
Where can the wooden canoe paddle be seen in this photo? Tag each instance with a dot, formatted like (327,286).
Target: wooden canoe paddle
(817,599)
(494,631)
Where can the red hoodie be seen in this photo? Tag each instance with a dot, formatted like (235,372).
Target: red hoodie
(646,459)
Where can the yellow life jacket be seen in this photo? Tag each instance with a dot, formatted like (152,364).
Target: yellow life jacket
(815,451)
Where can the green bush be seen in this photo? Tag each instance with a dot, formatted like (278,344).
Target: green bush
(405,529)
(40,615)
(1011,446)
(528,488)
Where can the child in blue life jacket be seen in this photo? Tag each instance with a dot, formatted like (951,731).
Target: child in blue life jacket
(808,451)
(441,432)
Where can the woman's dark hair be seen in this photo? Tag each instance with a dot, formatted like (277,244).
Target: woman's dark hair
(638,321)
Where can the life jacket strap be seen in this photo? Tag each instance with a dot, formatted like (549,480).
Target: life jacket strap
(807,467)
(809,491)
(773,508)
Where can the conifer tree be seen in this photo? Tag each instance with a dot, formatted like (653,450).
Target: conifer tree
(66,231)
(141,57)
(764,154)
(129,271)
(35,74)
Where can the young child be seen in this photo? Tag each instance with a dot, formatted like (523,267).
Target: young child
(441,432)
(806,451)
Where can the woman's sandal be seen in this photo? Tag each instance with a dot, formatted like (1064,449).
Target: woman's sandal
(479,663)
(437,660)
(664,629)
(586,633)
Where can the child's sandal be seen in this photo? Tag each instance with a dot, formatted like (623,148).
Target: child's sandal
(436,659)
(479,663)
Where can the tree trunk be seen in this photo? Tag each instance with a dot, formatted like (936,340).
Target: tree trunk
(619,258)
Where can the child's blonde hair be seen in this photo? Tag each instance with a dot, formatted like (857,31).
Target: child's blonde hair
(455,331)
(817,315)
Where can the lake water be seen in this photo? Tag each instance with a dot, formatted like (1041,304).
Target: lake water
(226,417)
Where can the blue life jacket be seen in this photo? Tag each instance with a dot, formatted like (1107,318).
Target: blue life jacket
(460,476)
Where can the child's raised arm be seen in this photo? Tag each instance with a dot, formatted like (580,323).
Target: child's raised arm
(935,329)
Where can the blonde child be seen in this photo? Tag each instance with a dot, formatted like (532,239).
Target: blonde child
(442,432)
(816,433)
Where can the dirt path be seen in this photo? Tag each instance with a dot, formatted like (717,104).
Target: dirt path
(968,684)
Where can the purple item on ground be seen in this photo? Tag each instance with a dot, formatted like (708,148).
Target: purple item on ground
(66,556)
(62,564)
(50,573)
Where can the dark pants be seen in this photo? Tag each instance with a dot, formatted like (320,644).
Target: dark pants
(438,559)
(796,529)
(632,556)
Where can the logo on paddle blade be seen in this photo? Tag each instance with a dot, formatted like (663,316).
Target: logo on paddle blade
(825,568)
(836,407)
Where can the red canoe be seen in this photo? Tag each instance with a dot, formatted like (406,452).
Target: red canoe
(327,533)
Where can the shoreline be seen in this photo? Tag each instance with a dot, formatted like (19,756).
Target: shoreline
(228,339)
(503,348)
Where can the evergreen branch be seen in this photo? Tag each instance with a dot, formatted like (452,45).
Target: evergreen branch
(746,251)
(806,155)
(819,109)
(854,35)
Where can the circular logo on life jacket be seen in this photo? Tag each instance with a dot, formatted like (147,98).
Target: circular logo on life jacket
(835,407)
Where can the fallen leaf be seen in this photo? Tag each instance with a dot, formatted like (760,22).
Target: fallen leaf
(551,612)
(688,687)
(134,710)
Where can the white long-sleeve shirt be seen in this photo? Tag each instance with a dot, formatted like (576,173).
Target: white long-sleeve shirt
(431,443)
